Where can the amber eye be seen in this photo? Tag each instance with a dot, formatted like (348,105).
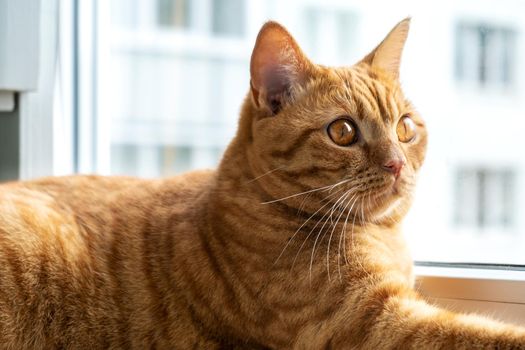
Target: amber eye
(406,129)
(343,132)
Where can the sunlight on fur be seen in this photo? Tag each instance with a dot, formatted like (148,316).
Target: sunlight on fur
(293,242)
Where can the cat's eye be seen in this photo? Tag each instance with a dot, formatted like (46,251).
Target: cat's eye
(406,129)
(343,132)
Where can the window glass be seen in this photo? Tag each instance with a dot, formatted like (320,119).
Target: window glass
(179,71)
(228,17)
(485,198)
(485,54)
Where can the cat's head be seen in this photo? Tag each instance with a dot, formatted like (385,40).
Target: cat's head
(347,131)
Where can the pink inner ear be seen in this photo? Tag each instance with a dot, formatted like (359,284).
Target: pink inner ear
(275,79)
(273,73)
(277,63)
(271,63)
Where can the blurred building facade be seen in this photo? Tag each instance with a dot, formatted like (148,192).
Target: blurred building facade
(179,73)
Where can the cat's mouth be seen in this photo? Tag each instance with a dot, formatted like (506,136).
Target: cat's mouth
(384,200)
(397,186)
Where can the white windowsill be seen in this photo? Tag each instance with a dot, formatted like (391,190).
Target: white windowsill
(495,293)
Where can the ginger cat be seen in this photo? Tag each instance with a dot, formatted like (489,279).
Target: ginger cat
(292,243)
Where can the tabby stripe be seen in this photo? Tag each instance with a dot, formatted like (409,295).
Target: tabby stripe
(169,272)
(314,171)
(291,149)
(64,294)
(233,272)
(382,101)
(165,266)
(366,100)
(199,306)
(361,89)
(392,103)
(271,222)
(156,303)
(215,263)
(91,283)
(377,96)
(115,268)
(16,269)
(12,276)
(195,320)
(41,303)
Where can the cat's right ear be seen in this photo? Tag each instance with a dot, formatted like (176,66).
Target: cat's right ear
(387,55)
(277,65)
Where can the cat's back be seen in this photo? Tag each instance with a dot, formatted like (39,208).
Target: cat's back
(90,196)
(82,258)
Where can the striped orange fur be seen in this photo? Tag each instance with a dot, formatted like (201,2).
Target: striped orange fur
(292,243)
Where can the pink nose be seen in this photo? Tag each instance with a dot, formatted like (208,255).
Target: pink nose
(394,166)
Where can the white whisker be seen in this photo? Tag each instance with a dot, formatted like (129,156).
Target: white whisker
(343,233)
(362,215)
(303,203)
(342,198)
(351,235)
(266,173)
(304,223)
(369,208)
(310,233)
(305,192)
(331,235)
(359,258)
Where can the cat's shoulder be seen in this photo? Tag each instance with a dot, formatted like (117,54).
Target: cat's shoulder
(94,195)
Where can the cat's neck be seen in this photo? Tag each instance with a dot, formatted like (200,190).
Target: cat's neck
(238,210)
(237,201)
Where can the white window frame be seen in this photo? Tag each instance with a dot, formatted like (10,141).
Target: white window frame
(36,107)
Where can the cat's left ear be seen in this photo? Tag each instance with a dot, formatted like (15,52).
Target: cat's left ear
(387,55)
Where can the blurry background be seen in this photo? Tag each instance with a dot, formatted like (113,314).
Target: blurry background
(153,88)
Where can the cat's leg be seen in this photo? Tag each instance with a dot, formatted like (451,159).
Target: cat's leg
(390,317)
(409,323)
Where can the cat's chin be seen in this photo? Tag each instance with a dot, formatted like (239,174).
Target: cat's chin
(386,212)
(385,204)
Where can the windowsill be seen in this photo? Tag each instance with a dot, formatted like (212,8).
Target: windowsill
(495,292)
(472,271)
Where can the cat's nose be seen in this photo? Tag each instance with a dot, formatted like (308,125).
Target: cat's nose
(394,166)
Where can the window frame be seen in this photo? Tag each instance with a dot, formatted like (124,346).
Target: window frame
(35,108)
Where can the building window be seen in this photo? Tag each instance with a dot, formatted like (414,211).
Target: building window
(484,198)
(228,17)
(217,17)
(174,13)
(331,34)
(485,54)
